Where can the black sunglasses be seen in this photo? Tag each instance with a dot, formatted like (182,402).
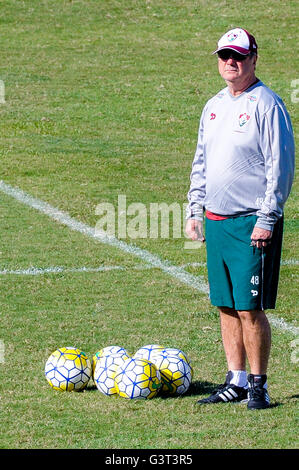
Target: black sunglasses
(228,53)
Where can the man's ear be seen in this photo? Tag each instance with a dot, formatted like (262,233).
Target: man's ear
(255,60)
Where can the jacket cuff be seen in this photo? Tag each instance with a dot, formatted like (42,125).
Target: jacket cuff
(264,224)
(194,213)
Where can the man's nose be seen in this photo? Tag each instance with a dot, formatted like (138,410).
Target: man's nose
(230,60)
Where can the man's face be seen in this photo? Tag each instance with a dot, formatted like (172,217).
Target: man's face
(232,70)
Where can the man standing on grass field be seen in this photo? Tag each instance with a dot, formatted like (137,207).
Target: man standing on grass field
(241,177)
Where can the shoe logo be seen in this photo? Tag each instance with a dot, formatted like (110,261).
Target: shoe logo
(213,116)
(228,395)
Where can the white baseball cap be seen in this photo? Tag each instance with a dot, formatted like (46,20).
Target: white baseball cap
(238,40)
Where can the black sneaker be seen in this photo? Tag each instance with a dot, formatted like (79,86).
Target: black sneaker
(226,392)
(258,397)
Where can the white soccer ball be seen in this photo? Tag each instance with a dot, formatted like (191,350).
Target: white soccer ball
(105,369)
(112,350)
(68,369)
(147,351)
(176,373)
(137,378)
(174,352)
(107,351)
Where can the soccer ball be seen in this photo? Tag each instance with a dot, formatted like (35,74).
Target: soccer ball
(147,351)
(137,378)
(174,352)
(176,373)
(107,351)
(112,350)
(105,370)
(68,369)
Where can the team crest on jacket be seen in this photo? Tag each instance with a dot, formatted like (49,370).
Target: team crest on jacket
(243,118)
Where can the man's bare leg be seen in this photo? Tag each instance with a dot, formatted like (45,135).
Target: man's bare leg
(232,338)
(257,339)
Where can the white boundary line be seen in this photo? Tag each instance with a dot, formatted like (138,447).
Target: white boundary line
(35,271)
(290,262)
(196,282)
(287,262)
(282,325)
(32,271)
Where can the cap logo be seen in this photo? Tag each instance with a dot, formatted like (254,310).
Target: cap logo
(232,37)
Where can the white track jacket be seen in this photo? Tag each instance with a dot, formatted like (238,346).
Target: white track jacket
(244,160)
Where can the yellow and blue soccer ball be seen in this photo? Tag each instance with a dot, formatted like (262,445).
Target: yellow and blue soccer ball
(137,379)
(104,373)
(146,352)
(107,351)
(174,352)
(112,350)
(68,369)
(176,373)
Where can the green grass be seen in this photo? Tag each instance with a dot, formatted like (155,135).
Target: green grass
(103,98)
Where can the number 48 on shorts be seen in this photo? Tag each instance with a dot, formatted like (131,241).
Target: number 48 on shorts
(255,280)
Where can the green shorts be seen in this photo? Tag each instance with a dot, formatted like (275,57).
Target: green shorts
(241,276)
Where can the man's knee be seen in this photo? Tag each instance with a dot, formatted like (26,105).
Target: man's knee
(252,316)
(228,311)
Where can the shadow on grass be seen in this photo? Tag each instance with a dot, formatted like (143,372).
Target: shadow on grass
(196,388)
(293,397)
(201,388)
(275,404)
(91,387)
